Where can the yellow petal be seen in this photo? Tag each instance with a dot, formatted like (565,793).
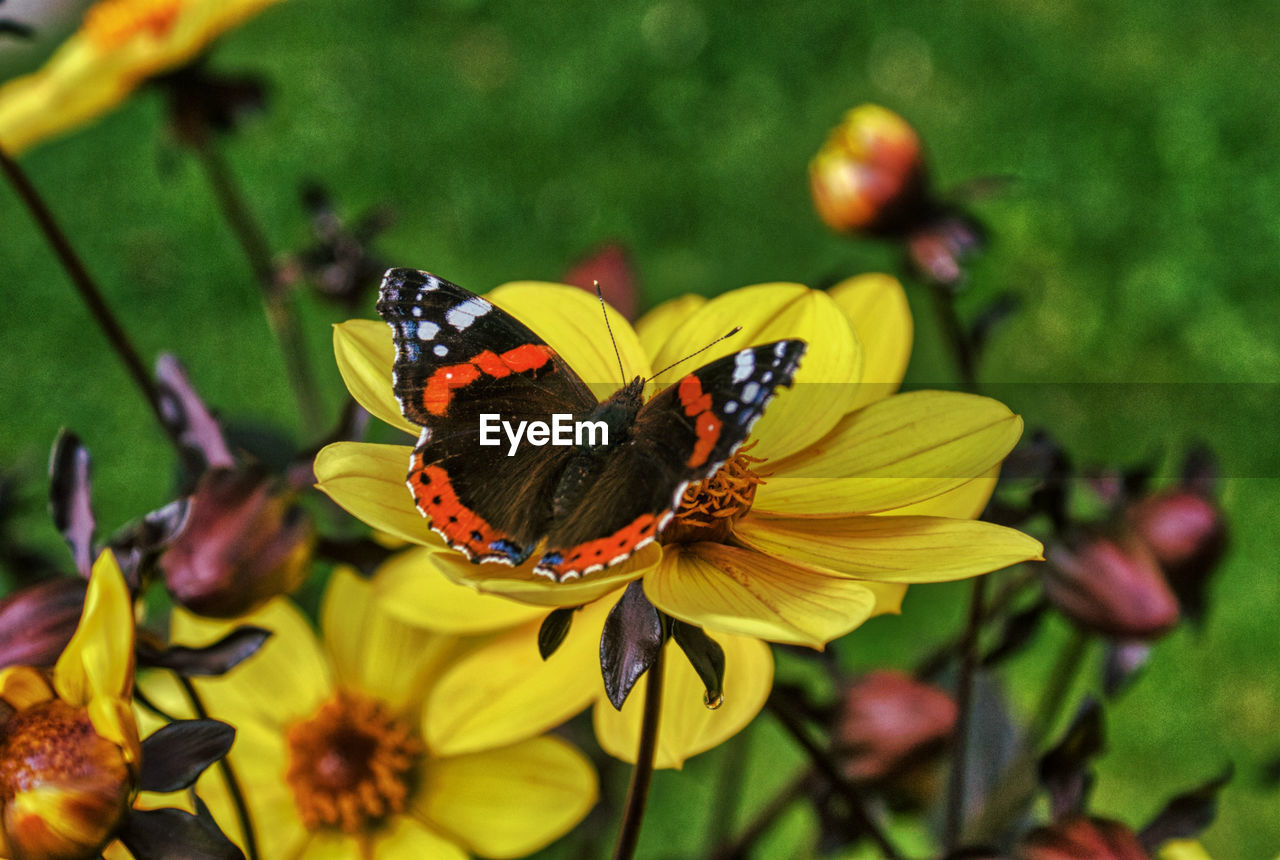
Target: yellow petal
(735,590)
(965,502)
(894,549)
(877,306)
(503,691)
(824,388)
(657,325)
(373,653)
(888,595)
(510,801)
(285,681)
(365,355)
(687,726)
(403,837)
(332,845)
(892,453)
(23,686)
(411,587)
(98,661)
(368,480)
(521,583)
(570,321)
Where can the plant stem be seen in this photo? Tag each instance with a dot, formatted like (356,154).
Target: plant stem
(642,773)
(86,287)
(276,301)
(964,714)
(728,794)
(944,303)
(228,774)
(822,761)
(941,657)
(764,819)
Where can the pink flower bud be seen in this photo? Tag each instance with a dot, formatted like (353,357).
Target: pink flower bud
(1185,530)
(36,622)
(1113,587)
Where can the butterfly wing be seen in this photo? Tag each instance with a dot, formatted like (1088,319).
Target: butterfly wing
(458,358)
(683,434)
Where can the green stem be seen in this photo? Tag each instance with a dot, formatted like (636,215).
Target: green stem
(944,303)
(228,774)
(964,715)
(642,773)
(765,818)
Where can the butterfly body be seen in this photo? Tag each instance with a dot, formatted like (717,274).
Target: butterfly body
(590,499)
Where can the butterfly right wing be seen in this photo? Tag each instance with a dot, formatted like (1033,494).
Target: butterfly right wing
(458,357)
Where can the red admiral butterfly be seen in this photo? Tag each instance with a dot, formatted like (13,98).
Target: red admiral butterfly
(462,363)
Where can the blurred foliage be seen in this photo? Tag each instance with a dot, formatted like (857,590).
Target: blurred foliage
(1139,232)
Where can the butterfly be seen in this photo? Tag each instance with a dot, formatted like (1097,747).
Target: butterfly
(589,496)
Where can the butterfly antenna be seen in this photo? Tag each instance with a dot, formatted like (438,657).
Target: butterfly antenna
(724,336)
(604,309)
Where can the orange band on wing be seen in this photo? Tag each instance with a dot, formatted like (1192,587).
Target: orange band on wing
(460,526)
(600,552)
(697,405)
(438,391)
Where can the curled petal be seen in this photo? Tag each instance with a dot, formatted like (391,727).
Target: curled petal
(365,354)
(892,549)
(368,480)
(98,661)
(877,306)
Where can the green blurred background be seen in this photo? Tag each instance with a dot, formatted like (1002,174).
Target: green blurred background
(510,138)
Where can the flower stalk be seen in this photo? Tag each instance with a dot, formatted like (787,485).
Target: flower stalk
(642,773)
(954,818)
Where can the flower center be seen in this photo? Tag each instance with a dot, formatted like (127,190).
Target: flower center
(709,508)
(350,764)
(111,23)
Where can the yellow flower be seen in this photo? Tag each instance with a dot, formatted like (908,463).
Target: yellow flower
(119,44)
(334,744)
(69,749)
(846,496)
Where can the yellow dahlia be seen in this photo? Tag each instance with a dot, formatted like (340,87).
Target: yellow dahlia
(119,44)
(334,747)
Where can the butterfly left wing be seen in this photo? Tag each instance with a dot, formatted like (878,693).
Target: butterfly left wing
(684,434)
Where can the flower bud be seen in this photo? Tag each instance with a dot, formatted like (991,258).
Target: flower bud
(64,789)
(36,622)
(1079,838)
(1184,530)
(1113,587)
(869,175)
(892,732)
(245,542)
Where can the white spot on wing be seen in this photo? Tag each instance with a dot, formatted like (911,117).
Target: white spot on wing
(465,313)
(440,350)
(780,348)
(731,407)
(743,363)
(750,392)
(426,329)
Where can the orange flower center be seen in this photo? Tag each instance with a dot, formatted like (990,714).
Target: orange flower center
(111,23)
(351,764)
(709,508)
(63,788)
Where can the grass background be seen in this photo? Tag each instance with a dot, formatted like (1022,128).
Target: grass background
(1140,234)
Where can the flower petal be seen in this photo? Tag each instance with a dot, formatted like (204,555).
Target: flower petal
(965,502)
(521,583)
(503,691)
(569,320)
(285,681)
(368,480)
(411,588)
(656,326)
(507,802)
(894,549)
(404,837)
(687,726)
(365,354)
(24,686)
(877,306)
(373,653)
(824,388)
(893,453)
(98,661)
(735,590)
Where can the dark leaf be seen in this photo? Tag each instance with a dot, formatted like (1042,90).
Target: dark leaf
(553,630)
(69,498)
(174,756)
(1186,815)
(1123,663)
(139,544)
(629,644)
(705,655)
(173,834)
(1015,633)
(37,621)
(10,27)
(1064,770)
(198,432)
(210,660)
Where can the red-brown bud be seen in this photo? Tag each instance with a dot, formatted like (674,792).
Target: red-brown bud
(869,175)
(245,542)
(64,789)
(36,622)
(892,732)
(1113,587)
(1079,838)
(1185,530)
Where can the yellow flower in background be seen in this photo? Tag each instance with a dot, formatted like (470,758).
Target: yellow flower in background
(69,748)
(844,497)
(334,744)
(119,44)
